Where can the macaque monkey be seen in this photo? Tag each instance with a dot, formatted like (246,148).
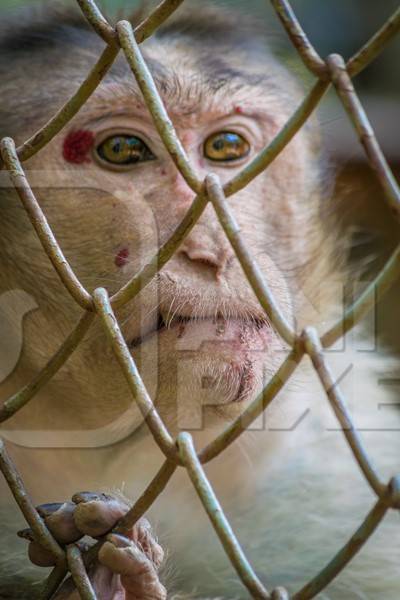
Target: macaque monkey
(289,485)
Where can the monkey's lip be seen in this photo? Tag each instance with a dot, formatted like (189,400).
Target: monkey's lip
(180,322)
(231,352)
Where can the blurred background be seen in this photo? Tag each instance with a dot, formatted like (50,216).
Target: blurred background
(342,26)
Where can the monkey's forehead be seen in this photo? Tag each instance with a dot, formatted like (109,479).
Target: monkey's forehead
(195,71)
(190,83)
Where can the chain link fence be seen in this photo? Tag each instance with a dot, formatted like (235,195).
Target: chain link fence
(333,71)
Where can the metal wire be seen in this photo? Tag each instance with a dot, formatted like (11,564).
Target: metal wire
(334,70)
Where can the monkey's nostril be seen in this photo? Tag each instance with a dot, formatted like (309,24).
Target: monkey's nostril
(209,259)
(208,262)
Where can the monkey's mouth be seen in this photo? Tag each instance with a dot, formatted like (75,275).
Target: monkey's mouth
(224,357)
(215,328)
(161,325)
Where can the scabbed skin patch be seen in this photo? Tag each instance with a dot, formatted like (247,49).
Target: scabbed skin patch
(77,146)
(122,257)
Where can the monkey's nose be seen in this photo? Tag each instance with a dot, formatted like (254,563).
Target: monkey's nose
(217,258)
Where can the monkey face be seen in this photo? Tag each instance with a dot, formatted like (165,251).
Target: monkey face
(113,196)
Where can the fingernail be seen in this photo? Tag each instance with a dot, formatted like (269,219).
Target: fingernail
(119,540)
(45,510)
(89,496)
(26,534)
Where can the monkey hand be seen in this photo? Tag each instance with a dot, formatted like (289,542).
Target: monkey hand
(127,565)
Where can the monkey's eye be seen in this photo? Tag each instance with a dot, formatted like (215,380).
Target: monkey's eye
(123,150)
(226,146)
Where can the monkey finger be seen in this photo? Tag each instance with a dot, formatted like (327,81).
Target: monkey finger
(106,585)
(49,508)
(59,518)
(138,573)
(39,556)
(143,536)
(97,517)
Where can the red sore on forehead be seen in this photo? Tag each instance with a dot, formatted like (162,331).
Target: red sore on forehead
(77,145)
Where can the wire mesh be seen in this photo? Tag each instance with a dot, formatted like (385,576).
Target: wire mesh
(181,451)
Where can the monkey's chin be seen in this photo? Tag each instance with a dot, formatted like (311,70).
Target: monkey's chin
(227,355)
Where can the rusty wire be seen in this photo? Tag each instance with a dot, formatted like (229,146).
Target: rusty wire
(181,452)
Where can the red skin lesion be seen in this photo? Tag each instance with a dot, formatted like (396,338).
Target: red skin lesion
(121,259)
(77,146)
